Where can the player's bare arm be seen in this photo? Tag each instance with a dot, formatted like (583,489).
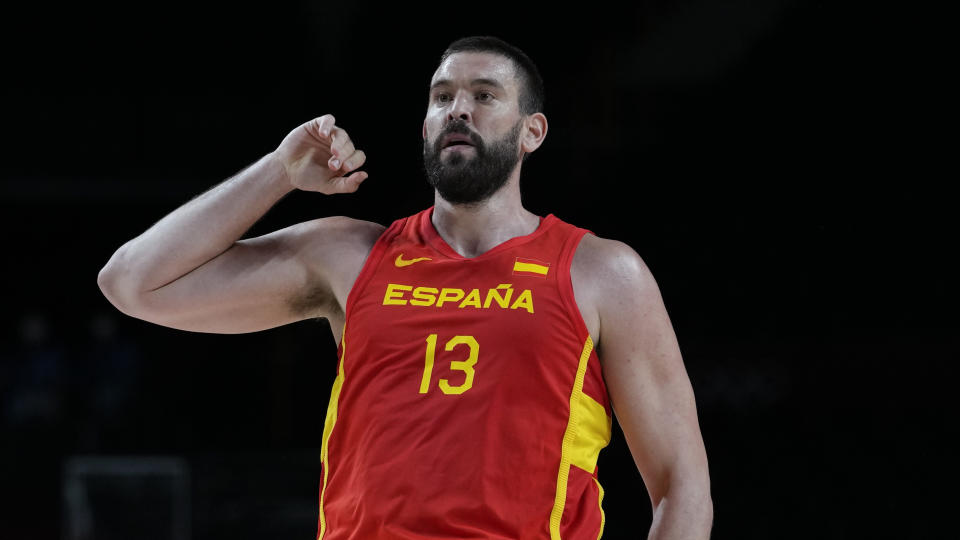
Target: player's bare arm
(191,270)
(649,389)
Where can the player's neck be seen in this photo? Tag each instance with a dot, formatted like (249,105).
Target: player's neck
(475,229)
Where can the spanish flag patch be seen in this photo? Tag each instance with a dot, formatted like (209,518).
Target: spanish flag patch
(530,267)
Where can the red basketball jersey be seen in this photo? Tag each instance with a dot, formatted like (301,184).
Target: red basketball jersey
(469,402)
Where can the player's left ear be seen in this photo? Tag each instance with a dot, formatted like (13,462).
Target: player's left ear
(534,131)
(424,129)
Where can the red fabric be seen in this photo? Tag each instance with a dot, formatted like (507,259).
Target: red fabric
(480,464)
(581,517)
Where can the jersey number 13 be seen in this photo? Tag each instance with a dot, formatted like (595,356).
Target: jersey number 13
(462,365)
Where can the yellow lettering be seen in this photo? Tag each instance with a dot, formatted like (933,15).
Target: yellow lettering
(525,301)
(462,365)
(449,295)
(472,299)
(394,295)
(494,294)
(425,296)
(502,295)
(428,363)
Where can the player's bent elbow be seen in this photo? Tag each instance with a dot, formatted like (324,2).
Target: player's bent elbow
(108,280)
(111,289)
(118,286)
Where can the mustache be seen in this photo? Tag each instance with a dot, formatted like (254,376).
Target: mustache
(460,128)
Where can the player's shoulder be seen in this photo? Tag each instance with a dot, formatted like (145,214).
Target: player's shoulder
(331,242)
(339,230)
(608,264)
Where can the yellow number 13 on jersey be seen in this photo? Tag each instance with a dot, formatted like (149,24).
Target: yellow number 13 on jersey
(463,365)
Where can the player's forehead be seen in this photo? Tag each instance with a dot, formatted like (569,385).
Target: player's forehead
(467,68)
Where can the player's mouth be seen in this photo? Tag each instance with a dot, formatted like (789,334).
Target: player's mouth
(456,142)
(457,148)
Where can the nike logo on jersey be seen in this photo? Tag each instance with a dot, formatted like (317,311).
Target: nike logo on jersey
(400,261)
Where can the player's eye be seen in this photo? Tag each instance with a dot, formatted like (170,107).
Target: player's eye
(443,98)
(484,96)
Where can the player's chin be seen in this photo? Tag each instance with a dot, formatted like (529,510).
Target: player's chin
(456,158)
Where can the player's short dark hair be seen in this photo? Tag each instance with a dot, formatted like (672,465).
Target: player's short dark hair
(531,96)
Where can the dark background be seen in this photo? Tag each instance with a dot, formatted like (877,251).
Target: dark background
(774,162)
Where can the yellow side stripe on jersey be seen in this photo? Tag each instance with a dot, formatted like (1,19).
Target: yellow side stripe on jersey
(530,267)
(593,434)
(600,504)
(569,441)
(328,424)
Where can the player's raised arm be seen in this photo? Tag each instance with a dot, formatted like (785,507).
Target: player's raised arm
(191,271)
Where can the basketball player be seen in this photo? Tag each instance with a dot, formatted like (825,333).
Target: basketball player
(483,349)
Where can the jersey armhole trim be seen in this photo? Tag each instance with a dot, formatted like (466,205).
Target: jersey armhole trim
(369,266)
(565,283)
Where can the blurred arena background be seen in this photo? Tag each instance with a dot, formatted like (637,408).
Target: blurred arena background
(769,160)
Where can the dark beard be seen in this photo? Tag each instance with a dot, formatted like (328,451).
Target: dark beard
(462,180)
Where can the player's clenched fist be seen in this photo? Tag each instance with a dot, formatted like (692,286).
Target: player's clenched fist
(319,156)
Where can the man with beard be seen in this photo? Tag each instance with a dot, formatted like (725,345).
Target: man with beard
(469,181)
(483,349)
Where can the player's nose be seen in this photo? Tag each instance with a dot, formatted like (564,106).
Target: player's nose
(462,109)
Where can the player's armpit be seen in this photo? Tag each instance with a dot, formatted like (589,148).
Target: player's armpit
(258,283)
